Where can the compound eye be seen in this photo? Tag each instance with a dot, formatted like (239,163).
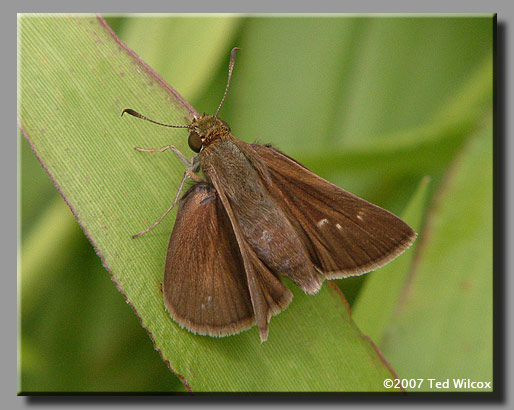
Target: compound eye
(194,141)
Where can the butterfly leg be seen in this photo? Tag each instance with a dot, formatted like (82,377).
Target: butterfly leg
(189,164)
(187,174)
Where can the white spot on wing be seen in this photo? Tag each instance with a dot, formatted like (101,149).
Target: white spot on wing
(360,215)
(339,226)
(265,236)
(322,222)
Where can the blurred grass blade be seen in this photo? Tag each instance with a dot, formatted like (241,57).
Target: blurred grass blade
(49,239)
(373,310)
(75,79)
(443,328)
(181,34)
(424,149)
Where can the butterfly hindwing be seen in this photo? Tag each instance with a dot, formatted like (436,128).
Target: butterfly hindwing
(209,287)
(205,287)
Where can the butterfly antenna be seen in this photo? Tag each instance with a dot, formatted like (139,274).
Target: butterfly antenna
(136,114)
(230,68)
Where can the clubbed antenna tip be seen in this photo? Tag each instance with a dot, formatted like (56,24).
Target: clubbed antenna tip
(137,115)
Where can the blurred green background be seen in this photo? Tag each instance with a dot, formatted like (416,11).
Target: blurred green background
(372,104)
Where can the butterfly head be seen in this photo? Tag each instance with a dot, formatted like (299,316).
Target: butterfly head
(204,130)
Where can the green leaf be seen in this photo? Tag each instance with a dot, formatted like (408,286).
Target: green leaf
(75,80)
(377,300)
(443,326)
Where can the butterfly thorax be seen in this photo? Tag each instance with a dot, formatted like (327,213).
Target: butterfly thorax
(206,129)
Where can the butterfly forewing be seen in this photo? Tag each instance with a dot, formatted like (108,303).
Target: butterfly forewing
(205,287)
(344,234)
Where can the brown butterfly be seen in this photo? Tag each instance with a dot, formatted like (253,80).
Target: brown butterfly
(260,215)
